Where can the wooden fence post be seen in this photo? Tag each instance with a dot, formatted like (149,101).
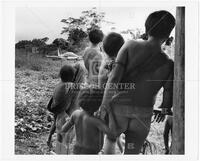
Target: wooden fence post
(178,136)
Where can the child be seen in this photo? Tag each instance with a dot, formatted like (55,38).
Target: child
(111,45)
(143,64)
(167,130)
(92,56)
(89,137)
(60,100)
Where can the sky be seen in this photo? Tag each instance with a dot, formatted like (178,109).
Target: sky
(39,22)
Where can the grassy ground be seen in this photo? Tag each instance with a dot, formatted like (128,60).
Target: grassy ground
(35,81)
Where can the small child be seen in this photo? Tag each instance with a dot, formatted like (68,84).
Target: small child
(92,56)
(60,100)
(89,136)
(111,45)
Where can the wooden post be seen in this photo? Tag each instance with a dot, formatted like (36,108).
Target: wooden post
(178,136)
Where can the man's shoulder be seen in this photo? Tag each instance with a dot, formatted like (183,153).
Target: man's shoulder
(135,44)
(130,43)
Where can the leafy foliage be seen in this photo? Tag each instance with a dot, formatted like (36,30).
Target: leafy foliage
(22,44)
(78,28)
(60,43)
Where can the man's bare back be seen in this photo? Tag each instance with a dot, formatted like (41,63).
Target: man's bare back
(149,69)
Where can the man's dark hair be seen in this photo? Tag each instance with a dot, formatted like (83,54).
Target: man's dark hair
(112,43)
(95,36)
(159,24)
(90,99)
(67,73)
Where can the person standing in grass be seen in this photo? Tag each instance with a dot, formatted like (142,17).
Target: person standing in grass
(144,64)
(89,129)
(92,56)
(60,99)
(111,45)
(63,100)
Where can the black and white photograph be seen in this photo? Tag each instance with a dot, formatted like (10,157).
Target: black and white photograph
(101,79)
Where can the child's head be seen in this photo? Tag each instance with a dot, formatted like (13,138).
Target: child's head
(112,43)
(67,73)
(90,99)
(159,24)
(95,36)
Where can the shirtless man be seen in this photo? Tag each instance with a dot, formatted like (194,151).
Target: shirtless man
(144,64)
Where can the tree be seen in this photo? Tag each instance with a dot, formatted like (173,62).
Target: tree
(78,28)
(22,44)
(45,39)
(40,44)
(61,43)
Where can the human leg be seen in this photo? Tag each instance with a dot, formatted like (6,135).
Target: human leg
(121,143)
(52,131)
(136,135)
(109,145)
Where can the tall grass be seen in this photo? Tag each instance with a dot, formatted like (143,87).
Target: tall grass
(36,62)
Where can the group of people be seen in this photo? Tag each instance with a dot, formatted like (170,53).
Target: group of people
(117,96)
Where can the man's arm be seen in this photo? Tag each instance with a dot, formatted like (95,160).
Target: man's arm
(115,76)
(166,135)
(168,92)
(103,127)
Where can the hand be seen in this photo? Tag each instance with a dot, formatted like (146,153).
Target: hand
(101,113)
(167,111)
(159,116)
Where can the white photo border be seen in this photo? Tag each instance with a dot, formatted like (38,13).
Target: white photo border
(7,80)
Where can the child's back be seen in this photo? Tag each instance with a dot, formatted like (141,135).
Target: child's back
(111,45)
(89,130)
(60,95)
(88,136)
(92,56)
(60,102)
